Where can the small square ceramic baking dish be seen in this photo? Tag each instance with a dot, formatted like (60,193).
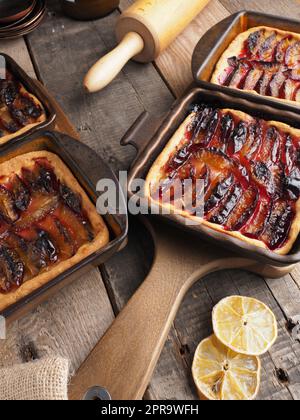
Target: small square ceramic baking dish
(88,172)
(150,137)
(33,88)
(216,41)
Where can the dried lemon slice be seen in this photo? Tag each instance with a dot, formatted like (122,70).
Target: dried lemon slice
(245,325)
(222,374)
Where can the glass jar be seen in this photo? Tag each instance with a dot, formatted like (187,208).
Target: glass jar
(88,9)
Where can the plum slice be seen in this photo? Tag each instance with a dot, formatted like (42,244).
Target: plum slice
(282,47)
(240,75)
(295,73)
(11,269)
(200,123)
(40,205)
(256,223)
(41,178)
(21,194)
(212,128)
(60,235)
(71,199)
(253,78)
(277,84)
(252,44)
(227,127)
(292,184)
(270,177)
(244,209)
(226,76)
(7,208)
(292,57)
(278,225)
(78,229)
(219,193)
(270,149)
(221,215)
(290,154)
(267,49)
(254,140)
(239,136)
(290,89)
(9,91)
(263,85)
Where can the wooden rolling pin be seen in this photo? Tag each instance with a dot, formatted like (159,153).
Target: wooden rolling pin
(144,30)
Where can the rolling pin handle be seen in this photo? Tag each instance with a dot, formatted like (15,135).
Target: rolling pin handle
(108,67)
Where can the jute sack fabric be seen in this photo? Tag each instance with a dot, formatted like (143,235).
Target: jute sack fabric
(46,379)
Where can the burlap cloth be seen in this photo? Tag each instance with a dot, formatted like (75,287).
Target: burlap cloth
(46,379)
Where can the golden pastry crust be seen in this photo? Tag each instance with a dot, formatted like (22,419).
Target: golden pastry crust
(156,174)
(234,50)
(102,235)
(41,119)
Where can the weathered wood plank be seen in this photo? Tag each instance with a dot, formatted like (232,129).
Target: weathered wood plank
(17,49)
(289,9)
(179,54)
(68,325)
(102,119)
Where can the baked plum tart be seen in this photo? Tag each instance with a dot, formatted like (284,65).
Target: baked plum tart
(262,60)
(19,110)
(47,224)
(251,173)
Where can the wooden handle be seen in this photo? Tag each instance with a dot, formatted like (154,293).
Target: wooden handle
(108,67)
(124,360)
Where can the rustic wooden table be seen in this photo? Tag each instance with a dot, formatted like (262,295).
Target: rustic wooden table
(59,54)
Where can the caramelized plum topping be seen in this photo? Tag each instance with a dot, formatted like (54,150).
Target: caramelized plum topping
(239,137)
(218,194)
(256,224)
(240,75)
(292,58)
(40,205)
(277,85)
(290,89)
(11,270)
(7,208)
(221,216)
(71,199)
(278,226)
(290,153)
(21,194)
(46,247)
(227,127)
(282,47)
(261,168)
(202,120)
(292,184)
(9,91)
(295,73)
(18,116)
(244,209)
(267,49)
(254,140)
(253,43)
(253,78)
(42,222)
